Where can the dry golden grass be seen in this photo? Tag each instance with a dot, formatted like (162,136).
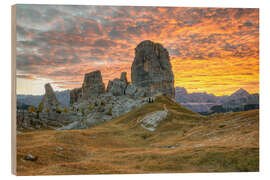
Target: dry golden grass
(184,142)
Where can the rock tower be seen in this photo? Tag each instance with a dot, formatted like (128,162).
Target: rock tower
(152,70)
(49,102)
(92,87)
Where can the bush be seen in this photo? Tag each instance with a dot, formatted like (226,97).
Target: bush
(90,108)
(83,112)
(40,107)
(222,125)
(58,110)
(145,136)
(110,111)
(32,109)
(102,103)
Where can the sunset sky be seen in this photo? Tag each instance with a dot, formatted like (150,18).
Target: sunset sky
(212,50)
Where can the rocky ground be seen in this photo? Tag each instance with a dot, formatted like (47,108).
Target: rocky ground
(181,141)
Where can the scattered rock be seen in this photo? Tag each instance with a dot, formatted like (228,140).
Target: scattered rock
(131,89)
(58,148)
(74,125)
(30,157)
(141,92)
(151,121)
(125,104)
(96,118)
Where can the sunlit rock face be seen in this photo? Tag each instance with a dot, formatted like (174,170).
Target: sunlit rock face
(152,70)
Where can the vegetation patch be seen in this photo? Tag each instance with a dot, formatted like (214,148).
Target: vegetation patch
(243,160)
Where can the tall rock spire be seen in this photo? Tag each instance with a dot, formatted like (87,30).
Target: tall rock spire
(152,70)
(49,102)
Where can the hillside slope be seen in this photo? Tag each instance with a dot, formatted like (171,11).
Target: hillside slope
(184,142)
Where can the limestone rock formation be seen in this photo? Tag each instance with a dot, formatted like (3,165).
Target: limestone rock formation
(117,86)
(125,104)
(131,89)
(96,118)
(74,125)
(151,69)
(123,77)
(49,102)
(151,75)
(92,85)
(75,95)
(151,121)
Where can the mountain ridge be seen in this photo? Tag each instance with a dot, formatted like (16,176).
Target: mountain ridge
(196,101)
(202,102)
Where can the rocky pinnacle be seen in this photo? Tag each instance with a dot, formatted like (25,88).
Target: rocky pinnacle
(151,69)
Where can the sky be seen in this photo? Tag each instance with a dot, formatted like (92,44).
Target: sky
(213,50)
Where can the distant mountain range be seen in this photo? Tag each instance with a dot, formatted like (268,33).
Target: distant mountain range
(198,102)
(203,102)
(23,101)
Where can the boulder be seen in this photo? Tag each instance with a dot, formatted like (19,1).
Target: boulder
(96,118)
(141,92)
(131,89)
(69,117)
(125,104)
(74,125)
(118,86)
(151,69)
(151,121)
(30,157)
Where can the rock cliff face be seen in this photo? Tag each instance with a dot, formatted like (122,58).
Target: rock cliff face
(151,75)
(49,102)
(118,86)
(92,85)
(91,104)
(151,69)
(75,95)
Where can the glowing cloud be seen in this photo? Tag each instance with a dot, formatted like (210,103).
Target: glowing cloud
(211,49)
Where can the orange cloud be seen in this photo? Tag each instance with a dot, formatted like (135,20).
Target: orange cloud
(212,49)
(25,76)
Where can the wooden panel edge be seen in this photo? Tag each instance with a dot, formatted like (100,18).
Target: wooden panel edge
(13,89)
